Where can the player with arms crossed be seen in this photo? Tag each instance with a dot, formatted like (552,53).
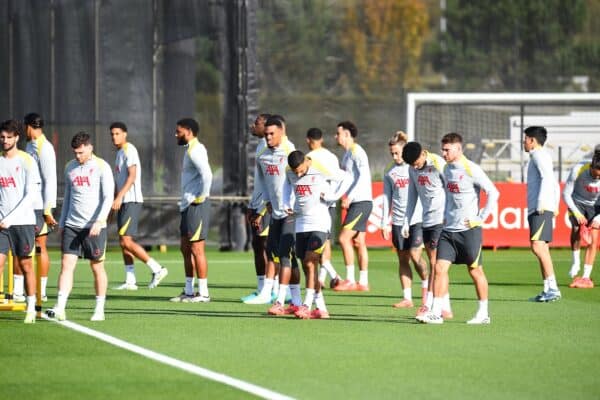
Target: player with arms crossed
(307,187)
(427,186)
(543,196)
(127,204)
(257,214)
(19,185)
(461,238)
(271,165)
(396,184)
(359,203)
(89,190)
(582,196)
(196,180)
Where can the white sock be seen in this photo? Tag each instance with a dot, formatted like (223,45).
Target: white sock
(436,308)
(429,302)
(363,277)
(546,286)
(189,285)
(483,308)
(407,294)
(31,304)
(446,302)
(425,284)
(282,293)
(260,282)
(18,285)
(100,300)
(203,287)
(44,282)
(330,270)
(61,301)
(276,284)
(296,294)
(130,274)
(320,301)
(576,259)
(587,270)
(322,275)
(267,288)
(309,297)
(350,273)
(552,282)
(154,265)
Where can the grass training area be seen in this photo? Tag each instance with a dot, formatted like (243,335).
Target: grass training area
(366,350)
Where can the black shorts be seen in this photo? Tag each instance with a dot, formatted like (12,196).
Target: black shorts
(540,226)
(195,221)
(310,241)
(41,228)
(20,239)
(431,236)
(281,239)
(414,240)
(462,247)
(589,212)
(128,218)
(77,241)
(357,216)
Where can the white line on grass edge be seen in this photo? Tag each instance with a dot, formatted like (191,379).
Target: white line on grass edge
(173,362)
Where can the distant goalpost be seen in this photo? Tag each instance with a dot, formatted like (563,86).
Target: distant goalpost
(492,125)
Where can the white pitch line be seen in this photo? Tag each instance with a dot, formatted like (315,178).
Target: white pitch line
(173,362)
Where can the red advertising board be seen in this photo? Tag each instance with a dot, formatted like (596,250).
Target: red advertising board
(505,227)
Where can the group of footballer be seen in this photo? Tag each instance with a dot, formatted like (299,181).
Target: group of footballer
(430,201)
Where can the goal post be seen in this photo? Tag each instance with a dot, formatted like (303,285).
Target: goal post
(492,126)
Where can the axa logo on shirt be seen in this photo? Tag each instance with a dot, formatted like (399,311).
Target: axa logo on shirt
(272,169)
(7,181)
(401,182)
(423,180)
(453,187)
(80,180)
(303,190)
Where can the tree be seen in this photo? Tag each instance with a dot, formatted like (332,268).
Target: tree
(517,45)
(383,40)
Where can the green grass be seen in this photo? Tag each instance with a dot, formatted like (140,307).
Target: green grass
(367,350)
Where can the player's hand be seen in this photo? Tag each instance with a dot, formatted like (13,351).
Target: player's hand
(50,221)
(116,205)
(289,211)
(95,229)
(385,232)
(345,202)
(3,225)
(596,222)
(256,222)
(581,219)
(405,231)
(473,222)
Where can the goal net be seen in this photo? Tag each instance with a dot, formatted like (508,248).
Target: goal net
(492,126)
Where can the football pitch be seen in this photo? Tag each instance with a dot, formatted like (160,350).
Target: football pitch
(366,350)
